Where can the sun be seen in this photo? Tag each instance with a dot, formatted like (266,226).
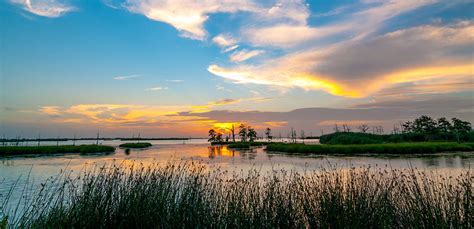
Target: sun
(225,126)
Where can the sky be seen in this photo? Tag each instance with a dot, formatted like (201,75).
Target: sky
(166,68)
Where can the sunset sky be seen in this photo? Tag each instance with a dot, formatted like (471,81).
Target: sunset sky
(167,68)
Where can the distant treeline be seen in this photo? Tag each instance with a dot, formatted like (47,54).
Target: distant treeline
(421,129)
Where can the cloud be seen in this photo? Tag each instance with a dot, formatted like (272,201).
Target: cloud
(363,67)
(244,55)
(187,16)
(386,113)
(222,88)
(278,35)
(175,81)
(52,111)
(357,25)
(147,118)
(224,40)
(156,88)
(126,77)
(45,8)
(231,48)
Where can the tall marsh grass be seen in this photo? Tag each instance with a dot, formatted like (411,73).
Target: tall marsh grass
(186,194)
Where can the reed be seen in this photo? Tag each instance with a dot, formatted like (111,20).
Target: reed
(183,194)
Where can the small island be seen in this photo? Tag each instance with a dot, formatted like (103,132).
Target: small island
(45,150)
(137,145)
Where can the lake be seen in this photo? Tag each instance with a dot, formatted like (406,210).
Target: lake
(41,167)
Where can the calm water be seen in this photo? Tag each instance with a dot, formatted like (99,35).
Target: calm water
(40,168)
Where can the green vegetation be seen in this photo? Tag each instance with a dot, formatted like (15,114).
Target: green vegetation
(26,150)
(388,148)
(137,145)
(244,145)
(189,195)
(367,138)
(4,223)
(421,129)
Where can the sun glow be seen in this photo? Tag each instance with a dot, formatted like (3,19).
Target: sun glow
(225,126)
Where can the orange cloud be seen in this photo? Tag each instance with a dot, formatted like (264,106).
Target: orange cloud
(360,68)
(50,110)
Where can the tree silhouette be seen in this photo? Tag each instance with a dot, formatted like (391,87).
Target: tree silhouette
(268,134)
(424,124)
(251,133)
(363,128)
(219,137)
(460,128)
(243,132)
(232,130)
(212,136)
(346,128)
(444,127)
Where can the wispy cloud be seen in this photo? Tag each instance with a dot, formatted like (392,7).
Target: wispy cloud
(126,77)
(175,81)
(48,8)
(224,40)
(52,111)
(157,88)
(244,55)
(222,88)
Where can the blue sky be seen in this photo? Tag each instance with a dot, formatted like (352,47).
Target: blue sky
(125,66)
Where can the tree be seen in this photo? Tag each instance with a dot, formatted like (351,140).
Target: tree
(460,127)
(336,128)
(363,128)
(243,132)
(377,129)
(346,128)
(268,134)
(444,126)
(396,130)
(212,136)
(424,124)
(407,127)
(251,133)
(219,138)
(233,132)
(293,135)
(302,135)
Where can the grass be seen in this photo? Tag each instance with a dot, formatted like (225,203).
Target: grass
(136,145)
(244,145)
(350,138)
(26,150)
(189,195)
(389,148)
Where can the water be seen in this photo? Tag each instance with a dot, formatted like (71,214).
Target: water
(36,169)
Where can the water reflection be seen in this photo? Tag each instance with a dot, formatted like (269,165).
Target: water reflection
(231,159)
(220,151)
(431,161)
